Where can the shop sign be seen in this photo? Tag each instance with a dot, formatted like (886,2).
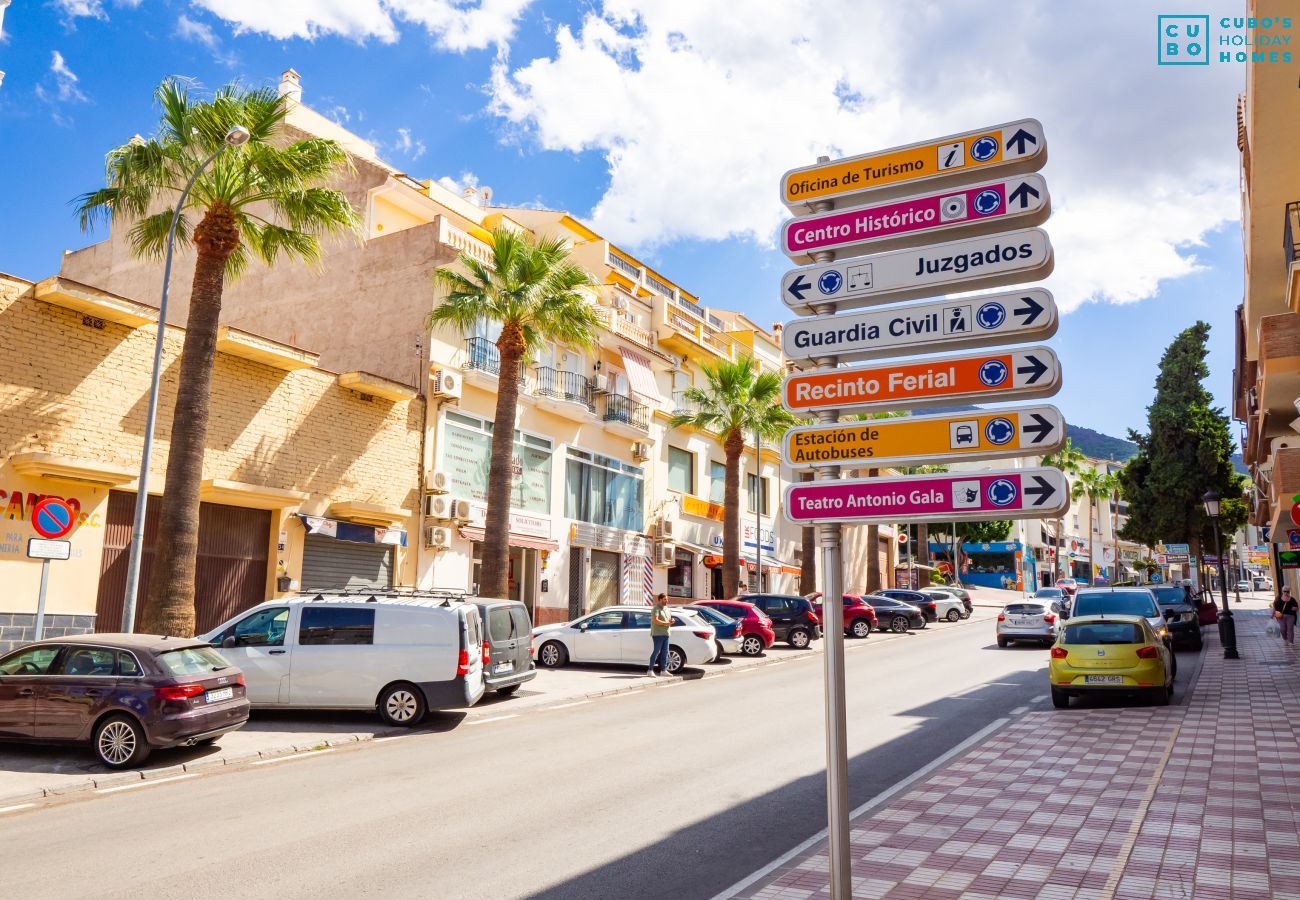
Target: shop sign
(614,540)
(694,506)
(521,523)
(467,459)
(747,538)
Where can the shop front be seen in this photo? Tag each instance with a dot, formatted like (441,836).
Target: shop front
(531,549)
(998,564)
(608,566)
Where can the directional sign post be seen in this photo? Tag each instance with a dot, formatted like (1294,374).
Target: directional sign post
(919,440)
(1032,493)
(1012,317)
(52,518)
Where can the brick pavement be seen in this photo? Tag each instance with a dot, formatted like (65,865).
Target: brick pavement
(1127,803)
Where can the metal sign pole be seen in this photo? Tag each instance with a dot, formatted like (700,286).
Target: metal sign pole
(40,599)
(837,752)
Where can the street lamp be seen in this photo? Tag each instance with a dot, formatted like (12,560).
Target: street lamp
(1227,628)
(235,137)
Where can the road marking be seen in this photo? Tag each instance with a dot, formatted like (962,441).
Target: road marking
(140,784)
(287,756)
(15,808)
(1019,710)
(491,719)
(1117,870)
(1041,698)
(870,804)
(623,694)
(567,705)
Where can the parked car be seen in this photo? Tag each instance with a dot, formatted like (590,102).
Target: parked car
(1262,584)
(929,606)
(793,618)
(1137,601)
(1244,587)
(756,632)
(727,631)
(859,618)
(401,654)
(507,645)
(1069,585)
(1110,654)
(1055,598)
(894,615)
(948,604)
(621,634)
(1181,617)
(124,694)
(960,593)
(1032,620)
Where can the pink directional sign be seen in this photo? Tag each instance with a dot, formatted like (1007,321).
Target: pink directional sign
(961,496)
(991,206)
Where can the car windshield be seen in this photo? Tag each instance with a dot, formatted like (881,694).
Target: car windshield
(1103,633)
(1170,596)
(1122,603)
(192,661)
(1025,609)
(712,616)
(1049,593)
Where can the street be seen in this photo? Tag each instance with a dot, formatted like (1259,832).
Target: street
(666,792)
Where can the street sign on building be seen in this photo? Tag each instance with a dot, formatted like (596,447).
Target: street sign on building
(1011,317)
(948,497)
(1009,149)
(984,208)
(44,548)
(916,440)
(971,264)
(986,377)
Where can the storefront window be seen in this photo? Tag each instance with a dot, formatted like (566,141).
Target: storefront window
(681,470)
(467,458)
(681,577)
(603,491)
(602,586)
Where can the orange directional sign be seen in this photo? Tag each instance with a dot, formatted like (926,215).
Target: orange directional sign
(940,380)
(1009,149)
(913,440)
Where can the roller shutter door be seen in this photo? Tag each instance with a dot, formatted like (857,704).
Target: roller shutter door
(329,564)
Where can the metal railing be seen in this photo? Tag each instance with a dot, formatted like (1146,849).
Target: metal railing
(561,385)
(693,308)
(681,405)
(619,408)
(482,355)
(625,267)
(659,286)
(1290,232)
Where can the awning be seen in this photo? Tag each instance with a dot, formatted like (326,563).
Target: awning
(473,533)
(640,376)
(351,531)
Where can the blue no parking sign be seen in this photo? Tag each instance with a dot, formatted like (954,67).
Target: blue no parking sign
(53,518)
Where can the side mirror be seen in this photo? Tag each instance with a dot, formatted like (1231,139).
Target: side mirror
(229,642)
(582,627)
(1169,614)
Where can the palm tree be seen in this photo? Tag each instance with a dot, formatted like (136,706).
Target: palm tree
(1093,484)
(1069,459)
(735,401)
(263,200)
(535,294)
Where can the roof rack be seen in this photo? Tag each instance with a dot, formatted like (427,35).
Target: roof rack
(374,595)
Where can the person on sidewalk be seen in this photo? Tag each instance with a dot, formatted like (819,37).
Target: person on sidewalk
(1285,610)
(660,621)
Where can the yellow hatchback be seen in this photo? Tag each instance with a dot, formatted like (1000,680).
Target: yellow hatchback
(1110,655)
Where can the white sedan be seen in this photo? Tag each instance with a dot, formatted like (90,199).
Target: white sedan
(621,634)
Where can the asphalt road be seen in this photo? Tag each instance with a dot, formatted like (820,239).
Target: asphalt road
(675,792)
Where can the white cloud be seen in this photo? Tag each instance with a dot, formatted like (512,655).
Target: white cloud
(697,111)
(60,86)
(188,29)
(456,25)
(458,185)
(88,9)
(411,148)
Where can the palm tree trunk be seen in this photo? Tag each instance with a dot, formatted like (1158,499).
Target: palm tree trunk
(733,446)
(1057,572)
(1092,559)
(923,553)
(169,606)
(1114,535)
(495,578)
(874,575)
(807,553)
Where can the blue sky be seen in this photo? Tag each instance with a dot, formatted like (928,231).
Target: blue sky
(666,123)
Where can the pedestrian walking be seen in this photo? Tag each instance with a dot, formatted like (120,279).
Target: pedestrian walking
(1285,610)
(660,621)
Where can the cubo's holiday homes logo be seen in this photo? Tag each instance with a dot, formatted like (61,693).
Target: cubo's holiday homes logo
(1187,40)
(1184,41)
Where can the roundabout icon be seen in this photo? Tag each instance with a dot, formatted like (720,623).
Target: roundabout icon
(999,431)
(993,372)
(1002,492)
(991,315)
(987,202)
(830,282)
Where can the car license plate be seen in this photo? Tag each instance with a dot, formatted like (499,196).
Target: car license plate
(219,694)
(1103,679)
(1020,623)
(503,667)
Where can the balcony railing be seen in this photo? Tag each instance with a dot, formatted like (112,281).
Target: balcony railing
(561,385)
(464,242)
(626,410)
(659,286)
(483,356)
(681,405)
(693,308)
(1291,233)
(625,267)
(620,325)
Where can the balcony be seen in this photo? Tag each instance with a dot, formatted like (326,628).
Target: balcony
(627,268)
(1291,254)
(683,406)
(566,393)
(483,365)
(463,242)
(683,330)
(1279,362)
(625,416)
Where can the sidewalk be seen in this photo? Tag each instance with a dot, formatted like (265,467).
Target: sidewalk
(1200,800)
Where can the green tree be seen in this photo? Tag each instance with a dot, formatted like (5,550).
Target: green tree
(535,294)
(735,401)
(1186,451)
(263,200)
(1069,459)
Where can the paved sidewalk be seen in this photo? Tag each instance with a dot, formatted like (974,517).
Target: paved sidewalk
(1200,800)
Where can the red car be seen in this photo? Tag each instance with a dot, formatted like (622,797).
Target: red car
(756,629)
(859,618)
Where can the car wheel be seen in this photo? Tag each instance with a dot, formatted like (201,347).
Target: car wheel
(1060,699)
(401,705)
(954,616)
(799,639)
(676,660)
(1173,668)
(752,645)
(861,628)
(1002,642)
(509,691)
(1161,696)
(898,625)
(120,742)
(1198,644)
(552,655)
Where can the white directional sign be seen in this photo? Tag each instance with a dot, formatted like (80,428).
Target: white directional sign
(1015,316)
(983,208)
(966,265)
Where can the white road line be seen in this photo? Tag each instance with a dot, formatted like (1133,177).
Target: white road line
(1041,698)
(567,705)
(308,755)
(491,719)
(15,808)
(869,805)
(622,694)
(140,784)
(1019,710)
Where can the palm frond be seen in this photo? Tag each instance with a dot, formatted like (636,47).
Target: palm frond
(148,236)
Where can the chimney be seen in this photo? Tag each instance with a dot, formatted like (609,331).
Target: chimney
(291,85)
(471,195)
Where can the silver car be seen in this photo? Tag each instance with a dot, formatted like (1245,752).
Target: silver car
(1028,621)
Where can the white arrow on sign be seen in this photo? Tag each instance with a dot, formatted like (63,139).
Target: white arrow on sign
(984,208)
(942,324)
(1013,257)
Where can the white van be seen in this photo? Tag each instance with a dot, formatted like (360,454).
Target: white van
(401,655)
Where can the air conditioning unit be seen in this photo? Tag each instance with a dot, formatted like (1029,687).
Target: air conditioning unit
(665,553)
(439,482)
(437,537)
(640,451)
(620,302)
(446,385)
(602,384)
(460,510)
(664,530)
(440,506)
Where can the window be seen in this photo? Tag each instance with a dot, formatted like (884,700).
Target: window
(603,491)
(33,661)
(753,487)
(717,482)
(127,665)
(681,577)
(192,661)
(88,661)
(264,628)
(500,625)
(523,626)
(681,470)
(473,627)
(605,621)
(336,625)
(467,457)
(638,620)
(1104,633)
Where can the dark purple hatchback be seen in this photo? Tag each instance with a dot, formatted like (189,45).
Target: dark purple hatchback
(125,694)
